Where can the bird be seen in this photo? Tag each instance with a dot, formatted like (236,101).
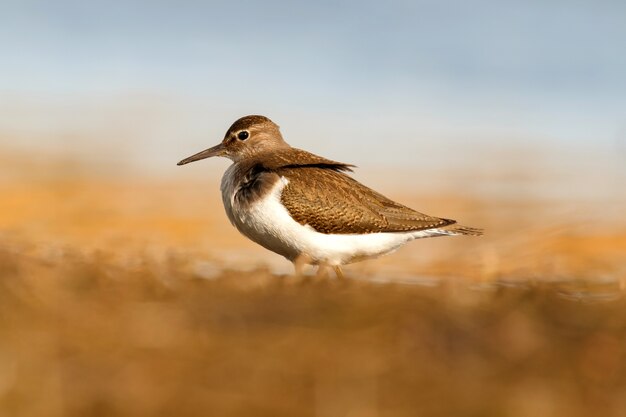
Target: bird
(308,208)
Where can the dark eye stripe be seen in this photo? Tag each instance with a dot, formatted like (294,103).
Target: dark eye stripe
(243,135)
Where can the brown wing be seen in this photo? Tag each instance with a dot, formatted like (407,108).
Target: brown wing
(332,202)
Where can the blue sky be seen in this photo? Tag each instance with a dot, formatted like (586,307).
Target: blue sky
(339,77)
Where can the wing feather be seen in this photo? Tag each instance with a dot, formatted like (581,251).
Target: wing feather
(320,194)
(332,202)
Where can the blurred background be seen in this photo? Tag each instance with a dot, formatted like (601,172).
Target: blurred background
(137,84)
(505,115)
(125,291)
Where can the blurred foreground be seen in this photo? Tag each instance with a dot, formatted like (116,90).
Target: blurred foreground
(82,337)
(137,298)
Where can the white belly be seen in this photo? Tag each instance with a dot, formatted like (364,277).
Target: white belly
(268,223)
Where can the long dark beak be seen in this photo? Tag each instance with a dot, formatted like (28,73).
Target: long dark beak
(217,150)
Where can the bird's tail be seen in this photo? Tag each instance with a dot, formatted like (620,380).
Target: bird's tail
(457,229)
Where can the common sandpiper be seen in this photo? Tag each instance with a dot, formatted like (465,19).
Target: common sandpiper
(306,207)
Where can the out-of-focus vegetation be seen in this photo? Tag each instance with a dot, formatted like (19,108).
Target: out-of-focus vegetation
(81,337)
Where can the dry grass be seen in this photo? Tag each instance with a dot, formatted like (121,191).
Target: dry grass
(139,299)
(83,337)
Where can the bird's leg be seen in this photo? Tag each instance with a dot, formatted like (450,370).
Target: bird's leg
(322,270)
(299,264)
(339,272)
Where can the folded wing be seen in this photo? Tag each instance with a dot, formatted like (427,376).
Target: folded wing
(320,194)
(332,202)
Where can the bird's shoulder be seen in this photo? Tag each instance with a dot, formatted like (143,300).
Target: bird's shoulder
(255,177)
(294,158)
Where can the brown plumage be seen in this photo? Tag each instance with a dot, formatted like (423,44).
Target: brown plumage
(320,194)
(346,221)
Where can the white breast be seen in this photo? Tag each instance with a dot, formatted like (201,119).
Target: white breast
(268,223)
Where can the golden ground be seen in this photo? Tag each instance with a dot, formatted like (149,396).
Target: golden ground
(137,298)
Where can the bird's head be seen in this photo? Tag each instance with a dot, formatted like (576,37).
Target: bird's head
(247,137)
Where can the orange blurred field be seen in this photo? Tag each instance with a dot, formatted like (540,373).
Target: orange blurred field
(135,297)
(126,292)
(135,217)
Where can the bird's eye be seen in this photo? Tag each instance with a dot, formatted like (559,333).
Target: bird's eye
(243,135)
